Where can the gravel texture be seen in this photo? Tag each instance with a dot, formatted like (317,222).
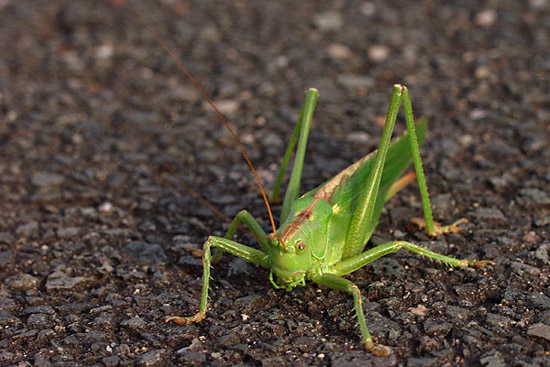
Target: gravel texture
(99,128)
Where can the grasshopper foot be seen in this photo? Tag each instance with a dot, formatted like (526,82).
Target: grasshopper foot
(438,228)
(376,350)
(478,263)
(195,252)
(198,317)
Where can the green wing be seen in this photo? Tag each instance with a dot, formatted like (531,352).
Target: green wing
(342,190)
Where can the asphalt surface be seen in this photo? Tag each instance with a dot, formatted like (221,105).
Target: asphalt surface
(100,131)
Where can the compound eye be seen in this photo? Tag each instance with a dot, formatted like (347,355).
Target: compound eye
(300,247)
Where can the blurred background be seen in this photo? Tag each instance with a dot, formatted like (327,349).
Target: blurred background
(100,133)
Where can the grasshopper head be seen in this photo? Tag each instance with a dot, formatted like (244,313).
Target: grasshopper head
(301,243)
(289,262)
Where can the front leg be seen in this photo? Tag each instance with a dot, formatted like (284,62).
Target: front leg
(243,217)
(248,253)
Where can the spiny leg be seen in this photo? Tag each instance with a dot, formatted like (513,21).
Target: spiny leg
(248,253)
(257,231)
(358,261)
(293,189)
(355,237)
(432,228)
(274,197)
(337,282)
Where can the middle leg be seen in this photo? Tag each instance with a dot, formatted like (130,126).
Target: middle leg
(254,227)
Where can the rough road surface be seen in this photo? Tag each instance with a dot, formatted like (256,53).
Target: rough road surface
(98,128)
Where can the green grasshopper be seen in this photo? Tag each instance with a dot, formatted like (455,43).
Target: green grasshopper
(323,233)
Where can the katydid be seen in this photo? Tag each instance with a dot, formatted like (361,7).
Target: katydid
(322,234)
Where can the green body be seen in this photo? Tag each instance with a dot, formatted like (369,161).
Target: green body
(322,234)
(322,217)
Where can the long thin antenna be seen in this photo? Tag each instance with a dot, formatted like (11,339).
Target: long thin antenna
(197,85)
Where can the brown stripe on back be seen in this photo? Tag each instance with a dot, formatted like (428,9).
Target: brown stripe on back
(324,193)
(302,216)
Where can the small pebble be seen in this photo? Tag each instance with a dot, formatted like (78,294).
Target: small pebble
(5,258)
(437,327)
(535,196)
(151,358)
(328,21)
(68,232)
(339,51)
(189,356)
(419,310)
(422,362)
(353,81)
(28,230)
(44,179)
(58,281)
(486,18)
(539,301)
(226,341)
(497,320)
(21,282)
(539,330)
(378,53)
(135,323)
(146,252)
(488,215)
(39,321)
(520,268)
(492,361)
(543,253)
(111,361)
(542,221)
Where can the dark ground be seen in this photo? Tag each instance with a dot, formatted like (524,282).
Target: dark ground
(98,125)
